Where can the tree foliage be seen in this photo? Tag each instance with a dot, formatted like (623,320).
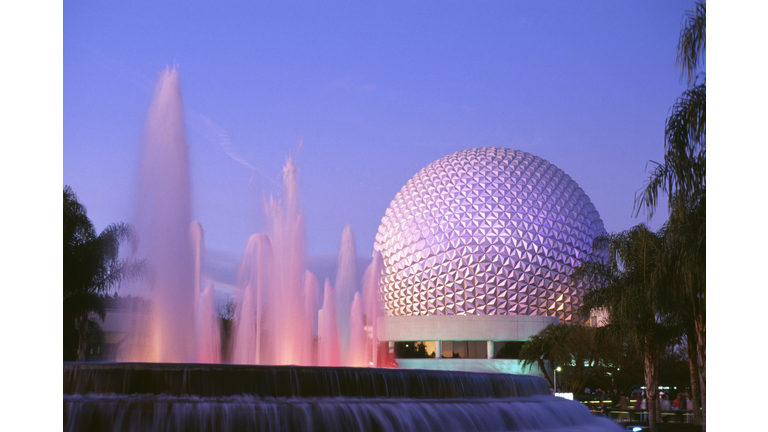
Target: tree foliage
(683,172)
(683,177)
(595,357)
(627,286)
(693,42)
(92,268)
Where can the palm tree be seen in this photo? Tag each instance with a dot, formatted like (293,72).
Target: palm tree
(542,347)
(683,177)
(683,268)
(572,346)
(683,172)
(91,267)
(628,290)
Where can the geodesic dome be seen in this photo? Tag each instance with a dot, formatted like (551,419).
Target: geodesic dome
(486,231)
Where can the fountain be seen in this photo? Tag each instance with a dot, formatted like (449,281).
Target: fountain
(163,221)
(172,379)
(346,287)
(272,279)
(198,397)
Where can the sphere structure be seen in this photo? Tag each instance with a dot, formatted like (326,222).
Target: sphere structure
(486,231)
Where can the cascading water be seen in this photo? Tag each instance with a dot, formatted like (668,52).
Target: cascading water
(148,398)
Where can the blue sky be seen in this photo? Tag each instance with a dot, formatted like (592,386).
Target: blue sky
(373,92)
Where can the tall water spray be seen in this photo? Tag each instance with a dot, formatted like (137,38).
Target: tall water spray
(328,350)
(207,329)
(372,303)
(345,286)
(357,353)
(311,305)
(290,339)
(254,278)
(163,223)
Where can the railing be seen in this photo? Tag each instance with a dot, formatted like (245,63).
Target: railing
(627,415)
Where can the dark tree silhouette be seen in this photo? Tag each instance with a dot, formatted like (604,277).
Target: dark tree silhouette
(92,268)
(682,176)
(628,288)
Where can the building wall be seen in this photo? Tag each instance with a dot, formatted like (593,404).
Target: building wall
(461,327)
(490,328)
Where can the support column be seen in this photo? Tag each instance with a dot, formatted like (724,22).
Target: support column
(438,349)
(490,349)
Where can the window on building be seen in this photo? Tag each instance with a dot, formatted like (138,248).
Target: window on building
(507,349)
(465,349)
(415,349)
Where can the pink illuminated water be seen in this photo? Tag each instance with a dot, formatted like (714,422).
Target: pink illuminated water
(276,316)
(372,302)
(207,330)
(329,350)
(345,286)
(311,305)
(290,340)
(357,350)
(163,223)
(254,277)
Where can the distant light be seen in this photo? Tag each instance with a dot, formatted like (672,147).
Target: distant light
(568,396)
(636,428)
(558,369)
(370,363)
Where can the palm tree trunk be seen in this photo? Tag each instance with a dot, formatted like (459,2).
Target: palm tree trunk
(651,369)
(543,370)
(693,363)
(82,332)
(701,346)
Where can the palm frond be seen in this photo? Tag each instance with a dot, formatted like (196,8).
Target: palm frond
(693,41)
(684,169)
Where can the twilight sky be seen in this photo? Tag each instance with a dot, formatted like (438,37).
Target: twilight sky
(373,93)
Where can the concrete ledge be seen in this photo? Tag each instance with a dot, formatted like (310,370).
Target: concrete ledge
(461,327)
